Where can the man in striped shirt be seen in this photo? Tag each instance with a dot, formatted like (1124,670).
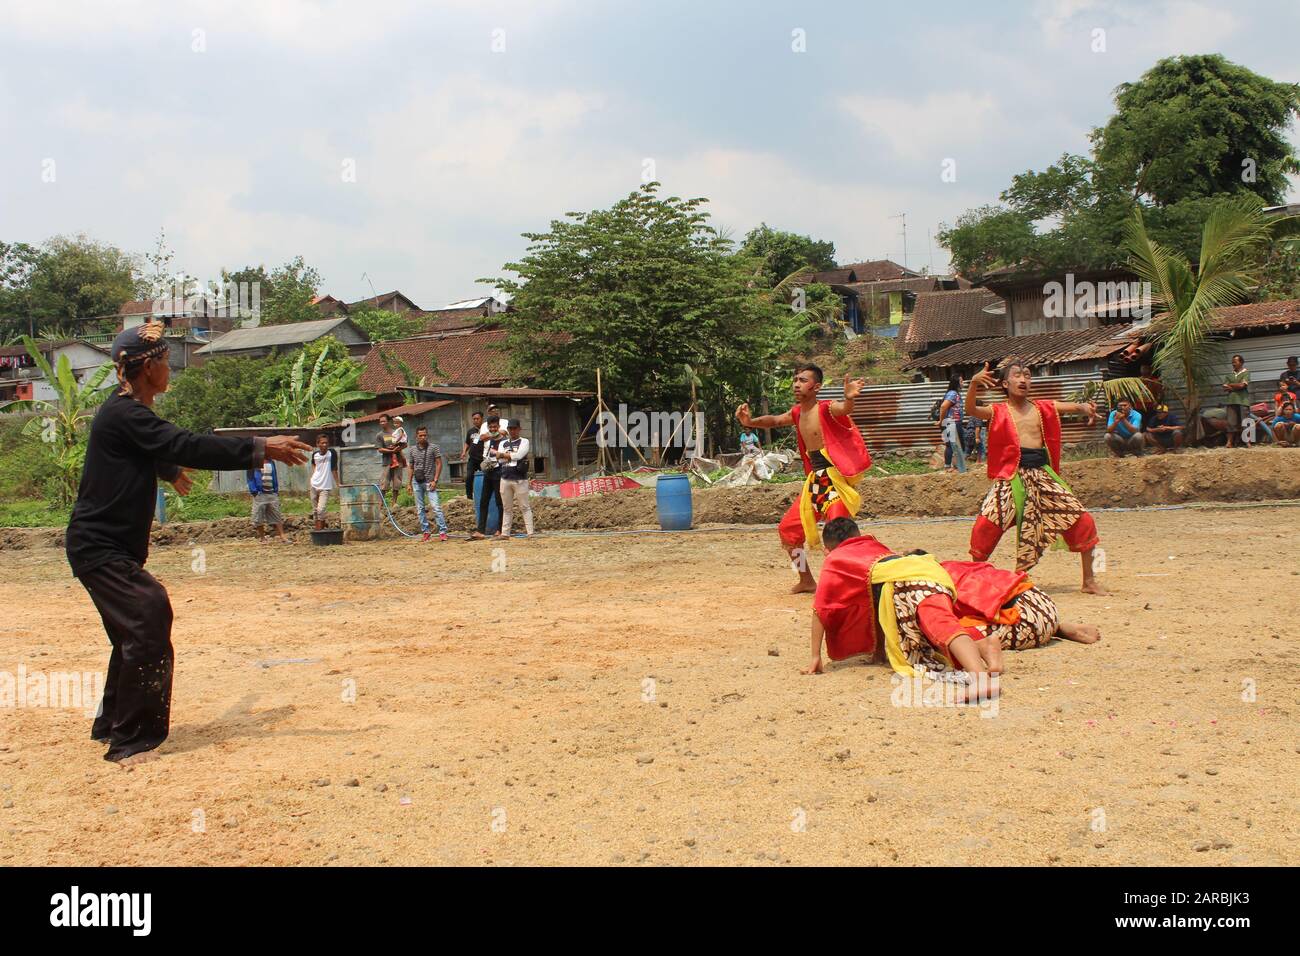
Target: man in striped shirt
(426,468)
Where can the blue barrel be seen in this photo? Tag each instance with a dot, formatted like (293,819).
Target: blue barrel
(673,499)
(494,512)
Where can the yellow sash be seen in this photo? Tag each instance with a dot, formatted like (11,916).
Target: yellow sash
(909,567)
(843,487)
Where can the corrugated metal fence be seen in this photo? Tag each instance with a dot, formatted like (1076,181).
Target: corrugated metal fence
(897,417)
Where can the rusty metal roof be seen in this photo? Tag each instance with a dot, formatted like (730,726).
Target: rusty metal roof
(1048,348)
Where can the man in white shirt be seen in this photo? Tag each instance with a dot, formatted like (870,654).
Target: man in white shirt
(513,454)
(503,424)
(324,477)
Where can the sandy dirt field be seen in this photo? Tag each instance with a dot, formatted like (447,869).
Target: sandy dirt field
(635,699)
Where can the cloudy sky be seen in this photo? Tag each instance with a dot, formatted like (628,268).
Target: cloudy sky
(414,142)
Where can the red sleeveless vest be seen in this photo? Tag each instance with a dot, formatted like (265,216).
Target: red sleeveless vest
(843,602)
(1004,440)
(843,441)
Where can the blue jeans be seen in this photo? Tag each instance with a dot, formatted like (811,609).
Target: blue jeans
(423,491)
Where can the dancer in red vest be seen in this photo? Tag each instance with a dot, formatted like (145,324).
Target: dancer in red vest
(920,614)
(1024,461)
(834,458)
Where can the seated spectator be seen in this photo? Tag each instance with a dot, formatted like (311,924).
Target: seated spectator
(1164,430)
(749,443)
(1284,395)
(1124,430)
(1286,425)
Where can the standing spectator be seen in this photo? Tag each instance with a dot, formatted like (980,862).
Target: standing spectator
(491,469)
(1284,395)
(426,469)
(1237,385)
(1124,430)
(493,411)
(1164,430)
(950,419)
(972,438)
(513,454)
(264,486)
(472,452)
(390,451)
(1286,425)
(324,477)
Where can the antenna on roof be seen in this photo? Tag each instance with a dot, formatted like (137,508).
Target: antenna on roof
(903,216)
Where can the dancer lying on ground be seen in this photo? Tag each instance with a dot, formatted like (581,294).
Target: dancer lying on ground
(924,616)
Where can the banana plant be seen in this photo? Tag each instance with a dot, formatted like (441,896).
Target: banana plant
(318,400)
(61,423)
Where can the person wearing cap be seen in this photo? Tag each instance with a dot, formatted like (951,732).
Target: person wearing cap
(502,423)
(513,454)
(107,540)
(1164,431)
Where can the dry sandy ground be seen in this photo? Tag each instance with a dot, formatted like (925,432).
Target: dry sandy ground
(501,712)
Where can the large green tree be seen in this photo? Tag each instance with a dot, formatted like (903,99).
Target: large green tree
(783,253)
(1192,134)
(69,277)
(223,392)
(640,290)
(289,293)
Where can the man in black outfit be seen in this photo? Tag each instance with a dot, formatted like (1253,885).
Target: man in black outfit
(472,453)
(491,476)
(107,540)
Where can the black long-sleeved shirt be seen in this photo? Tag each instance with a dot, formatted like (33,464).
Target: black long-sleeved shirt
(130,448)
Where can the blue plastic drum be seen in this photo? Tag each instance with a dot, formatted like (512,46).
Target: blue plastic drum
(673,499)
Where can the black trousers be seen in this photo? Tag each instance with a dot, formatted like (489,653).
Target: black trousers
(135,714)
(491,491)
(471,469)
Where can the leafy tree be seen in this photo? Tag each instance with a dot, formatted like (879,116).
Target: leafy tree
(63,421)
(638,290)
(17,262)
(293,286)
(381,325)
(77,277)
(223,392)
(1192,134)
(782,253)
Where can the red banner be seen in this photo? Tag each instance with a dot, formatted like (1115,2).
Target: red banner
(580,489)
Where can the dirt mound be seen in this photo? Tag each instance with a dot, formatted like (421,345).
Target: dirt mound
(1261,474)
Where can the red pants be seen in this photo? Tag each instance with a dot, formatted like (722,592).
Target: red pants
(791,527)
(985,535)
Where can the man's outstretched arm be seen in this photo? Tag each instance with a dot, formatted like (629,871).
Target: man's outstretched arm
(852,389)
(784,420)
(815,645)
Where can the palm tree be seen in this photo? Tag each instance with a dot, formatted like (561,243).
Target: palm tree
(321,399)
(1185,296)
(62,426)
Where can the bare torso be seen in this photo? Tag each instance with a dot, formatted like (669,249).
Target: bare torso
(810,429)
(1029,426)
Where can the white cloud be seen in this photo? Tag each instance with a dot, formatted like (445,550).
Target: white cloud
(927,130)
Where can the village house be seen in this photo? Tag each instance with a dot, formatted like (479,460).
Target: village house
(879,295)
(21,378)
(257,341)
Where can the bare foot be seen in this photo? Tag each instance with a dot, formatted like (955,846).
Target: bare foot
(144,756)
(1092,587)
(1083,633)
(806,584)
